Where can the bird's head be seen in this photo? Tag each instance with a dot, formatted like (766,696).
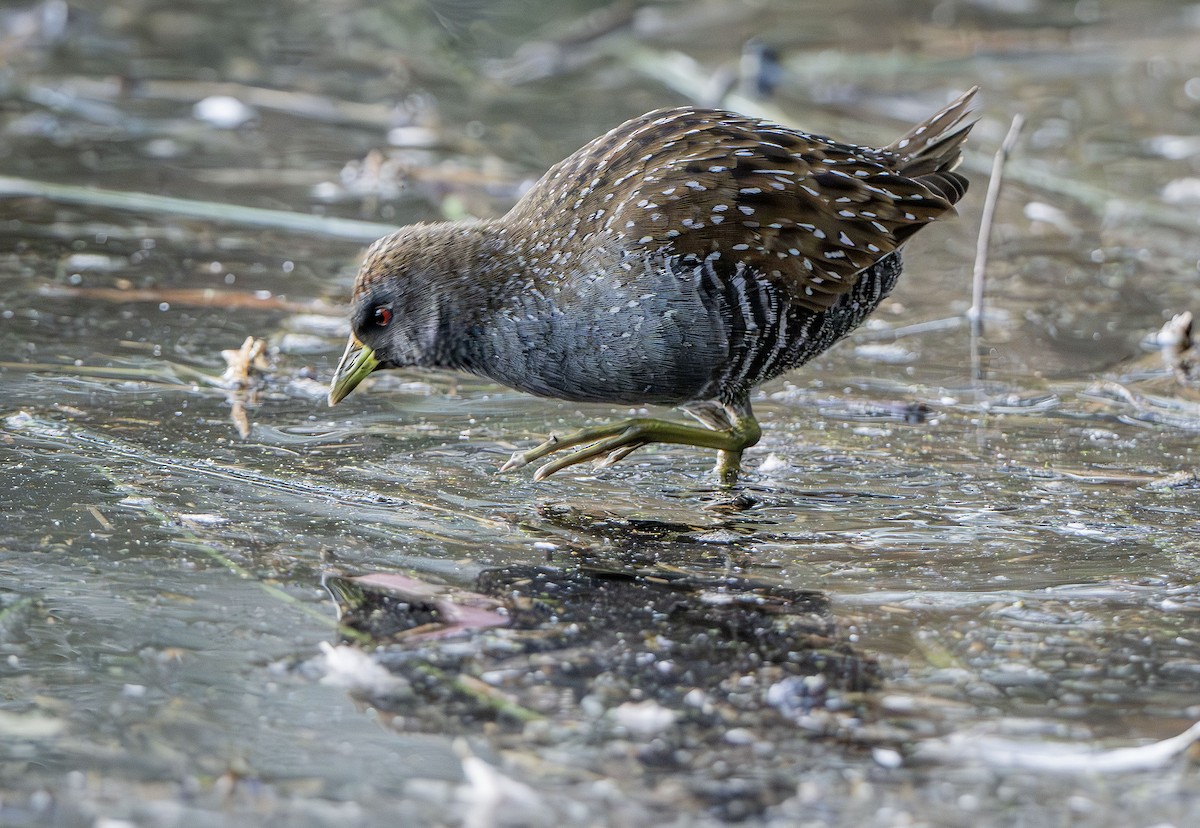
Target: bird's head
(394,318)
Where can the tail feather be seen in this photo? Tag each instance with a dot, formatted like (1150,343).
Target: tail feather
(934,146)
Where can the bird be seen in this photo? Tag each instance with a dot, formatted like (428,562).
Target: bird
(681,259)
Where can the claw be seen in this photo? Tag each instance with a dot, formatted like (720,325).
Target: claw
(515,462)
(522,458)
(617,455)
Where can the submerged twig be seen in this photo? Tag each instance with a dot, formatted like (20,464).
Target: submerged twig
(194,297)
(975,312)
(156,372)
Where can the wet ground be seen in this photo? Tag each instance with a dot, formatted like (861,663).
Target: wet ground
(939,597)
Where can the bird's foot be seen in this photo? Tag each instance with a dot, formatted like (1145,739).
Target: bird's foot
(611,443)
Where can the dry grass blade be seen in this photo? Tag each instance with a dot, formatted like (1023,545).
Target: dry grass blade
(982,244)
(231,214)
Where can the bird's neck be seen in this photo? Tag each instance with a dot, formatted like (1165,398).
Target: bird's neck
(464,293)
(498,304)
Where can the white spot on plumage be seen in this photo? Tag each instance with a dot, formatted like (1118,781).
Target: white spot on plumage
(750,191)
(742,246)
(749,211)
(720,208)
(844,239)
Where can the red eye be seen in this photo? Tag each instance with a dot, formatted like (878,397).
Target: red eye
(383,317)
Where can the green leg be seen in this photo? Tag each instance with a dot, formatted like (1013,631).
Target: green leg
(728,428)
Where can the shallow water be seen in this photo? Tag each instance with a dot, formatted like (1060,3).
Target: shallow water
(924,575)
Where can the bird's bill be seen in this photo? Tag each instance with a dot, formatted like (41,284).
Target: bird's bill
(356,364)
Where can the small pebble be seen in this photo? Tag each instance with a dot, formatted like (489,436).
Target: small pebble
(887,758)
(646,718)
(223,112)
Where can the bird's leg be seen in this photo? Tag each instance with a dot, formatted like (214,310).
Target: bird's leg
(730,428)
(719,417)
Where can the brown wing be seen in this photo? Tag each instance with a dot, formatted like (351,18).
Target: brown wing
(804,211)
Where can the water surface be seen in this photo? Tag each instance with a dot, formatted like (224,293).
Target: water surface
(924,574)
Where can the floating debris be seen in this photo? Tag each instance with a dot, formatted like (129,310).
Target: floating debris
(392,607)
(1046,757)
(243,378)
(1179,353)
